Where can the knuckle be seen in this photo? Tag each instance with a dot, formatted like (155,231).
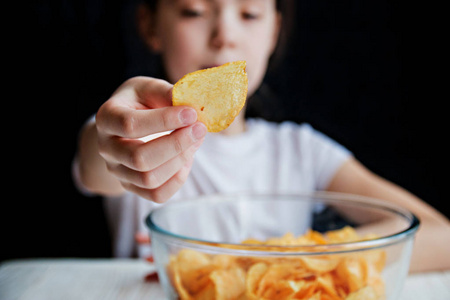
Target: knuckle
(132,81)
(180,178)
(185,157)
(126,185)
(138,160)
(102,147)
(127,125)
(150,180)
(111,169)
(156,196)
(177,145)
(166,119)
(99,117)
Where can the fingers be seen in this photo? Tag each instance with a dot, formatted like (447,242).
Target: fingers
(130,123)
(157,177)
(153,93)
(148,92)
(152,168)
(140,107)
(143,157)
(165,191)
(157,169)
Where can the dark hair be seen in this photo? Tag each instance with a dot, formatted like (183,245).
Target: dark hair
(285,7)
(287,10)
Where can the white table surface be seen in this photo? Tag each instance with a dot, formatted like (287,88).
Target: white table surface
(86,279)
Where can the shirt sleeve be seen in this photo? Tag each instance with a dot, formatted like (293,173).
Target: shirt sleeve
(326,155)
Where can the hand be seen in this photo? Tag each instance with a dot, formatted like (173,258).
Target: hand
(140,107)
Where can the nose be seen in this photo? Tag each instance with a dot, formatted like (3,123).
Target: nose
(224,32)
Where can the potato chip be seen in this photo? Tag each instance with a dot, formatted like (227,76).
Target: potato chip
(320,265)
(223,261)
(307,291)
(372,276)
(297,285)
(193,269)
(197,279)
(279,290)
(254,276)
(174,275)
(316,237)
(376,258)
(188,259)
(344,235)
(217,94)
(207,293)
(275,274)
(351,273)
(246,262)
(229,284)
(366,293)
(326,283)
(355,276)
(300,273)
(316,296)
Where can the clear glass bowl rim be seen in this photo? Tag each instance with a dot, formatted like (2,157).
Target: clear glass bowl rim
(275,250)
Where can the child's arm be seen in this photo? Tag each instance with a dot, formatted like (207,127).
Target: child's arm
(113,159)
(432,245)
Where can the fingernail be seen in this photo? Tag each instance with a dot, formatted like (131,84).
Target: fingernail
(188,116)
(199,131)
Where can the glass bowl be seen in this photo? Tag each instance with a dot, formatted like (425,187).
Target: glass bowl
(199,254)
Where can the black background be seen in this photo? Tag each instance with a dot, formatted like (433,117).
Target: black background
(366,73)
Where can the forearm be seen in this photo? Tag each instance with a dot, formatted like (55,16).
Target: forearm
(432,242)
(94,174)
(431,248)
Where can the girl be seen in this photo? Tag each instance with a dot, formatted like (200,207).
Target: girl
(136,175)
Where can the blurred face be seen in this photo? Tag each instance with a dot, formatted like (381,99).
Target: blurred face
(198,34)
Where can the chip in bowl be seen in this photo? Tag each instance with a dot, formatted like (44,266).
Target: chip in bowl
(353,276)
(217,94)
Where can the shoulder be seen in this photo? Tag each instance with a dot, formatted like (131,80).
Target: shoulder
(303,137)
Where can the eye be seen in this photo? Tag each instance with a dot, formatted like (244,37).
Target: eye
(249,15)
(192,12)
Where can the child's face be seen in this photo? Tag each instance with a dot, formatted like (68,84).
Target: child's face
(197,34)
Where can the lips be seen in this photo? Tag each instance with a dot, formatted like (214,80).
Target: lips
(210,66)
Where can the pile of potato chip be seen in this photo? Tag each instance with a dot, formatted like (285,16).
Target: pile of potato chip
(355,276)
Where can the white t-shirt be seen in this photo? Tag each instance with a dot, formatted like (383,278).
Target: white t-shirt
(266,158)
